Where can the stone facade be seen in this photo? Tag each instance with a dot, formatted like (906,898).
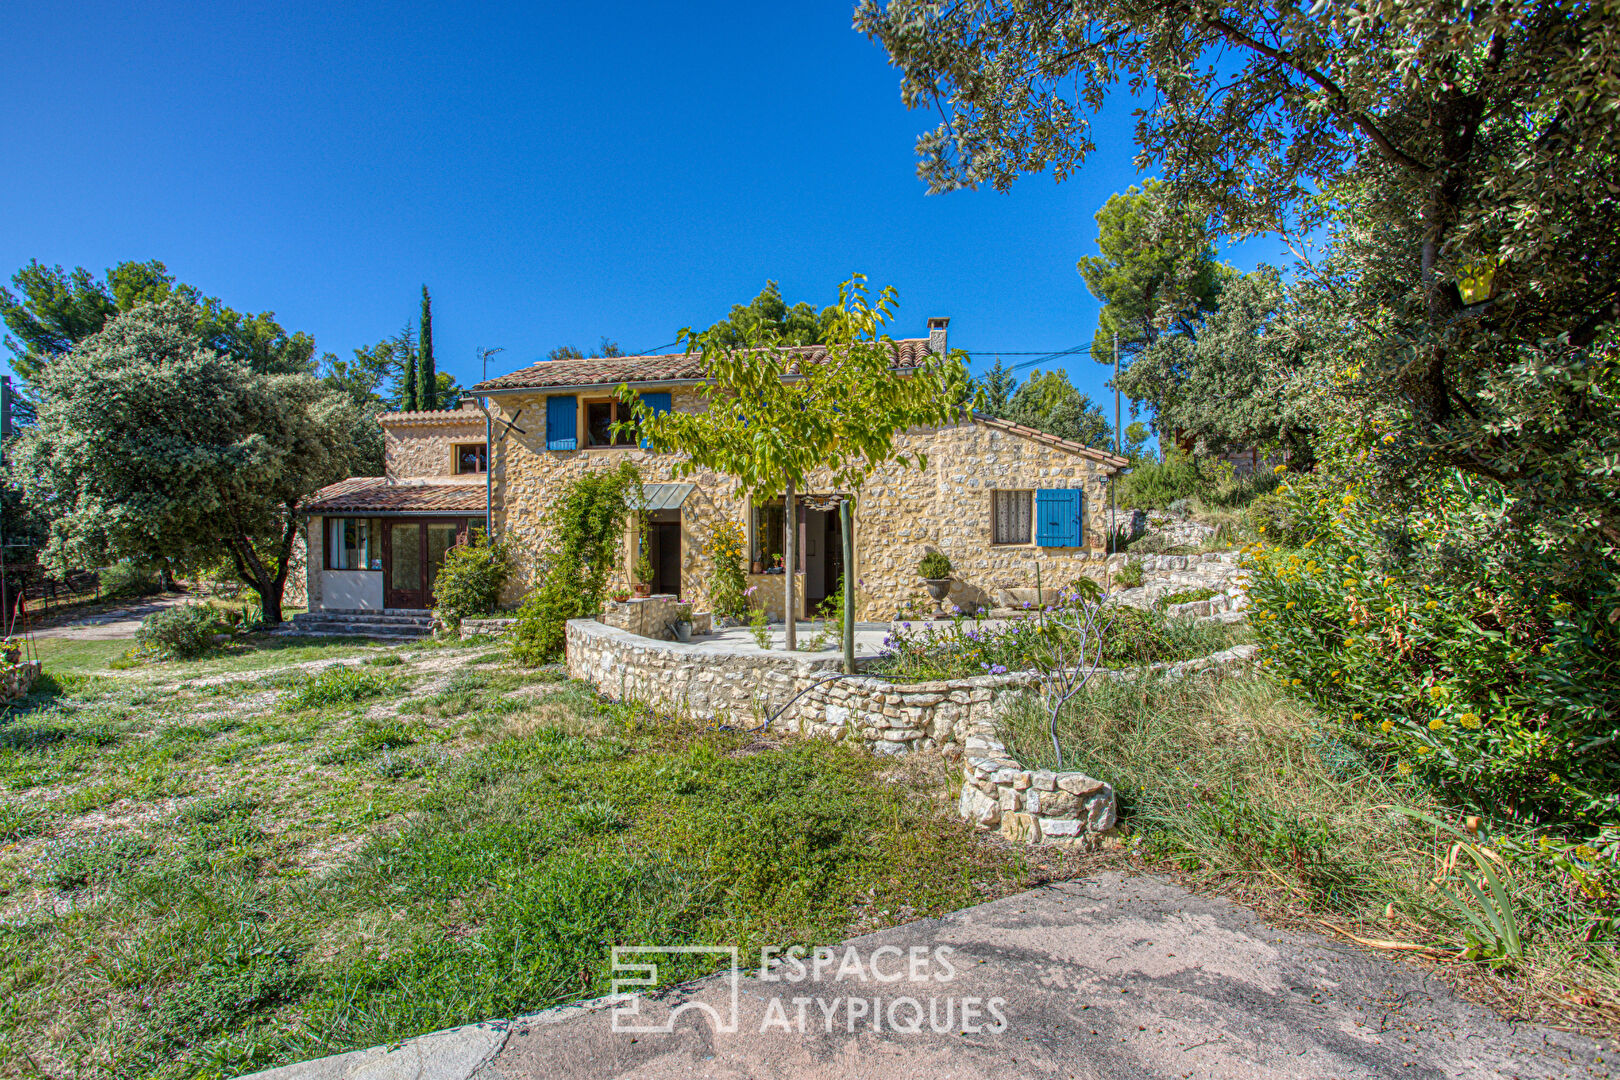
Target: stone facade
(902,513)
(419,445)
(529,479)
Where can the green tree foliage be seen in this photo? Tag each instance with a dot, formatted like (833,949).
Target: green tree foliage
(998,385)
(1157,271)
(586,530)
(52,311)
(1463,159)
(840,413)
(151,444)
(768,316)
(427,376)
(605,348)
(1226,382)
(402,347)
(1136,439)
(1049,402)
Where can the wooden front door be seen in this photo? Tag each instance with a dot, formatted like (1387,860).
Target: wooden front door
(413,551)
(664,538)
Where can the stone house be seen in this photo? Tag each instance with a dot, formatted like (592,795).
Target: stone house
(1005,503)
(374,543)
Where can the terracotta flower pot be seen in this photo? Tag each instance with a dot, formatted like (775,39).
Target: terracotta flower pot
(643,589)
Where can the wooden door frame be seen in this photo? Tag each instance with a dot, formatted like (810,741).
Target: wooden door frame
(424,594)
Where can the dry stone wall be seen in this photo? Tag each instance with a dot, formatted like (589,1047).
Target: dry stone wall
(744,685)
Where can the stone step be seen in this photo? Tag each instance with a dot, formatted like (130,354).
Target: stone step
(371,624)
(425,618)
(288,631)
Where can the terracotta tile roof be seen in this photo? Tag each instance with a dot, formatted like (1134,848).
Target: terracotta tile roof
(375,494)
(434,416)
(669,367)
(1052,440)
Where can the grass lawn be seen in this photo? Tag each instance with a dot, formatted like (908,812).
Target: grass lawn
(294,850)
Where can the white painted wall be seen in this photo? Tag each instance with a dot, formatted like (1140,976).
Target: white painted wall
(352,590)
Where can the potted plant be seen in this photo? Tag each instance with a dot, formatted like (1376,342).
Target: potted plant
(619,595)
(935,569)
(644,575)
(683,622)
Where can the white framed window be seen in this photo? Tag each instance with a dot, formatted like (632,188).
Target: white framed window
(1012,517)
(353,544)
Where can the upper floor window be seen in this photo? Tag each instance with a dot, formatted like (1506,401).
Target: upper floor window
(472,458)
(600,416)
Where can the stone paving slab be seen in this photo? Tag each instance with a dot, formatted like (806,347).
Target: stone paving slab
(1107,977)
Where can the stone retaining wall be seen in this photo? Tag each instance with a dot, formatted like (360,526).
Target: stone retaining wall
(745,686)
(17,679)
(489,627)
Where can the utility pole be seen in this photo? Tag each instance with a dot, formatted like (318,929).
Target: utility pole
(1113,499)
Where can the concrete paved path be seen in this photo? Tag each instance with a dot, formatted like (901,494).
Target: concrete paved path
(1107,977)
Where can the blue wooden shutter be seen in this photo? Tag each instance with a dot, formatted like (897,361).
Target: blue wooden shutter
(562,422)
(1057,518)
(658,402)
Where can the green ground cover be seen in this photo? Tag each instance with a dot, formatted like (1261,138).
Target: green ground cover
(1237,784)
(208,868)
(963,647)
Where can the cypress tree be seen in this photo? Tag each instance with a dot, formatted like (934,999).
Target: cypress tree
(427,379)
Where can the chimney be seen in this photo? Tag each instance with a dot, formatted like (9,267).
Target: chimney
(936,334)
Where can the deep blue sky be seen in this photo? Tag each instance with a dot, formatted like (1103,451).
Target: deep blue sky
(552,172)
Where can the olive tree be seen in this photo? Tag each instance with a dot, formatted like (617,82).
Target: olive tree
(151,444)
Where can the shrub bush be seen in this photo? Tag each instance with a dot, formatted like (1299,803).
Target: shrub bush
(125,580)
(1129,575)
(934,566)
(1471,655)
(1154,485)
(963,647)
(471,578)
(179,632)
(726,580)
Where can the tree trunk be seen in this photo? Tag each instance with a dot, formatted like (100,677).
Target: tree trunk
(790,533)
(846,519)
(251,569)
(166,575)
